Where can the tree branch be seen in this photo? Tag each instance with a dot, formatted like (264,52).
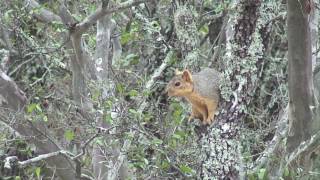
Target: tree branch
(12,161)
(307,147)
(100,12)
(85,144)
(41,14)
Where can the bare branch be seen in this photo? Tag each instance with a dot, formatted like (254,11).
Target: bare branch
(209,18)
(42,14)
(12,159)
(38,158)
(5,60)
(14,97)
(306,147)
(90,20)
(85,144)
(65,14)
(5,38)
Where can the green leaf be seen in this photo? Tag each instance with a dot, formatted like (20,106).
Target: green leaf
(146,161)
(45,118)
(186,169)
(177,136)
(7,15)
(147,117)
(17,178)
(156,141)
(133,93)
(38,108)
(77,17)
(133,111)
(146,93)
(165,165)
(108,104)
(204,29)
(125,38)
(286,172)
(251,176)
(69,135)
(261,173)
(108,119)
(129,135)
(120,88)
(31,107)
(95,95)
(140,165)
(131,59)
(99,141)
(37,171)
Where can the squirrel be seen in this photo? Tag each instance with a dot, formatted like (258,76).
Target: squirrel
(200,89)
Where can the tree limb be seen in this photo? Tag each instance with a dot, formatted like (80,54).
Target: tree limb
(41,14)
(100,12)
(306,147)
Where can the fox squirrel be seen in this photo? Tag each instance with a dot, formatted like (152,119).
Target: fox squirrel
(200,89)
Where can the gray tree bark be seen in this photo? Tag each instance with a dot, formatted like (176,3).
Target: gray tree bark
(105,157)
(300,74)
(99,159)
(303,140)
(222,158)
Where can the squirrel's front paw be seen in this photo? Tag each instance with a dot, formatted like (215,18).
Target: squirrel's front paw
(209,120)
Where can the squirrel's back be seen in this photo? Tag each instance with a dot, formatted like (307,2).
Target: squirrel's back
(206,83)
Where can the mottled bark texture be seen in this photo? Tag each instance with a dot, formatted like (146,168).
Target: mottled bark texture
(100,161)
(106,157)
(186,29)
(221,143)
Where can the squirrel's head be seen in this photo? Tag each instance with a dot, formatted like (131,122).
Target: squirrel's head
(181,84)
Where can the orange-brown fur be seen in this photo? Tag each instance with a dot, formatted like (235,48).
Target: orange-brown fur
(200,89)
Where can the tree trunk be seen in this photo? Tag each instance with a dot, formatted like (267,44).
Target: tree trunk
(220,145)
(300,74)
(104,158)
(302,140)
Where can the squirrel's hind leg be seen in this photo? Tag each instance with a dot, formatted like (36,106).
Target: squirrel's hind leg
(212,107)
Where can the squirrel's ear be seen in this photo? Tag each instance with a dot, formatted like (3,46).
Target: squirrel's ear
(186,75)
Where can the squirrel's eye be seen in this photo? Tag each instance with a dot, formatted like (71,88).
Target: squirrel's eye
(177,84)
